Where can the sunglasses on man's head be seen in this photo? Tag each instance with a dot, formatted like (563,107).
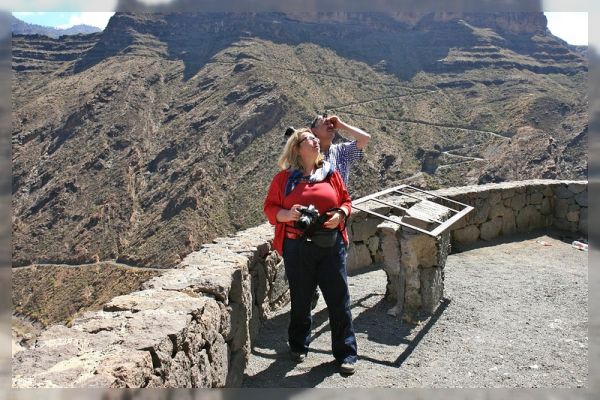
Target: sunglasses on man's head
(319,118)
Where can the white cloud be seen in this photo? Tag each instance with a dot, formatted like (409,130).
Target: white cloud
(98,19)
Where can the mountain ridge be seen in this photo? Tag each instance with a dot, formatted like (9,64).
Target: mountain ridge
(19,27)
(149,139)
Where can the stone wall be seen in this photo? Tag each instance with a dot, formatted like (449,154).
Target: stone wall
(501,209)
(190,327)
(193,326)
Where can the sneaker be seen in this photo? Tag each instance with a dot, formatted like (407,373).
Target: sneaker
(315,300)
(297,357)
(347,368)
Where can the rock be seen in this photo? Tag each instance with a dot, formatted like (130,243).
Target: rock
(583,221)
(235,374)
(200,373)
(255,322)
(389,234)
(179,375)
(195,341)
(561,208)
(215,279)
(497,210)
(373,244)
(518,201)
(546,207)
(536,198)
(509,223)
(279,285)
(582,199)
(153,299)
(432,288)
(577,187)
(363,230)
(495,197)
(261,287)
(219,365)
(461,223)
(239,327)
(358,257)
(573,216)
(421,262)
(508,193)
(563,224)
(418,249)
(480,214)
(491,229)
(562,192)
(529,218)
(412,291)
(390,247)
(468,234)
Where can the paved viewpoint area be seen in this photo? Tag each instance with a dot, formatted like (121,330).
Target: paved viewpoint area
(515,314)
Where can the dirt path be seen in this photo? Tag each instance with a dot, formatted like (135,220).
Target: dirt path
(420,122)
(515,315)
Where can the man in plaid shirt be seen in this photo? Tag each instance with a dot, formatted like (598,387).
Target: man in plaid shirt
(340,155)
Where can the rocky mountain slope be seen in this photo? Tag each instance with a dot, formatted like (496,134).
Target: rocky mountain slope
(142,142)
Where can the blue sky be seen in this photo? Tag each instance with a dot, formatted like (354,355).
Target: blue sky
(569,26)
(65,19)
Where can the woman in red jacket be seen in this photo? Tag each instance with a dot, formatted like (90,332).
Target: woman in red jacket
(306,179)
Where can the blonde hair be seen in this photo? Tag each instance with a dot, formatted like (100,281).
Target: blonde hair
(290,156)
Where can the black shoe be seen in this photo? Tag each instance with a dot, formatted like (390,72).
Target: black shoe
(315,300)
(297,357)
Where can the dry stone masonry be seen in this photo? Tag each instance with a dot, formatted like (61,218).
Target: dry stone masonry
(193,326)
(190,327)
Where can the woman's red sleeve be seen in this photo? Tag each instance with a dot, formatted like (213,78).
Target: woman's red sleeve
(274,200)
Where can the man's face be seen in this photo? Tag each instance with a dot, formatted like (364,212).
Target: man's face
(324,130)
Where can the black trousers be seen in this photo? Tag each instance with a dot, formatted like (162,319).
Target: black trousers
(306,266)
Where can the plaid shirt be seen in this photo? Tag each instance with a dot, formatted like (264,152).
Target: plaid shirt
(341,156)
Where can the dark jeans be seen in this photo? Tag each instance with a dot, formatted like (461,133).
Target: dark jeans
(307,266)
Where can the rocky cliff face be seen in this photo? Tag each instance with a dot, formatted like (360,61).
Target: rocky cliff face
(142,142)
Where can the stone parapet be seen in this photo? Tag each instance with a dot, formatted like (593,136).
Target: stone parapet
(192,326)
(501,209)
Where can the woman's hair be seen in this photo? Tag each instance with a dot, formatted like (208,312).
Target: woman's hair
(290,156)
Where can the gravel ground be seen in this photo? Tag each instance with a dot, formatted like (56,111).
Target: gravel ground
(515,314)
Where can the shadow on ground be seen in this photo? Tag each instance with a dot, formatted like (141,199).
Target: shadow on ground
(373,321)
(563,236)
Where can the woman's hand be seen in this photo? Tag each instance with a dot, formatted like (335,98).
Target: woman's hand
(335,218)
(285,215)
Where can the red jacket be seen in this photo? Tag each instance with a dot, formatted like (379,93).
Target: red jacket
(274,202)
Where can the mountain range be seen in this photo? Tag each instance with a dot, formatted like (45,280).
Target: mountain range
(139,143)
(19,27)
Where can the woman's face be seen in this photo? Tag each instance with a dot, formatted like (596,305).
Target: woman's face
(308,146)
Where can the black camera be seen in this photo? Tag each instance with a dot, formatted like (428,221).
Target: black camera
(309,216)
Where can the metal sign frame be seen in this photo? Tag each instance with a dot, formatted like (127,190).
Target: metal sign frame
(459,209)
